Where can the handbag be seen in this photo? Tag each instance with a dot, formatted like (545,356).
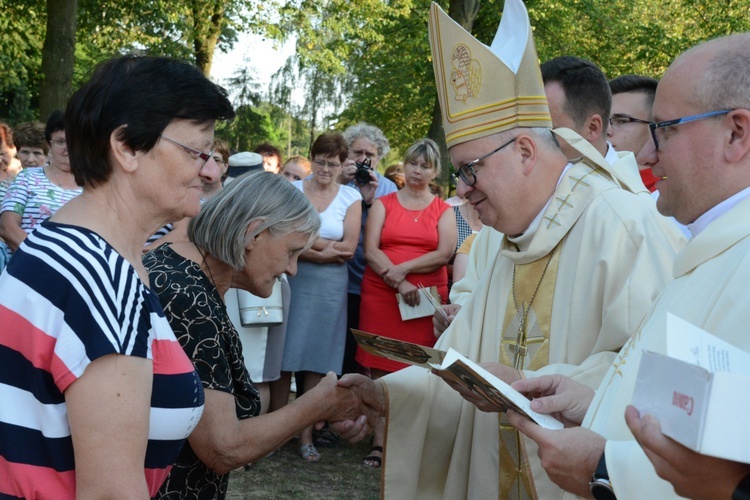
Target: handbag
(257,311)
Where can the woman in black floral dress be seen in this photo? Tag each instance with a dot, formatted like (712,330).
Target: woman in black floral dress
(245,237)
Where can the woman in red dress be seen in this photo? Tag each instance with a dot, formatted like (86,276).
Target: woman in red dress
(409,237)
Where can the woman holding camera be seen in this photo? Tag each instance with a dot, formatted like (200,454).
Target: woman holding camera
(409,237)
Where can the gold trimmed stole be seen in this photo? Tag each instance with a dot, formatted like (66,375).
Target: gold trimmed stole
(525,345)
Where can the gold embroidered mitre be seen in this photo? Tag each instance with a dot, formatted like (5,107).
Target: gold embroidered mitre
(485,90)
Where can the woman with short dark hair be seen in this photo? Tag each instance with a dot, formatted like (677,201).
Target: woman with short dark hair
(31,143)
(37,193)
(102,394)
(316,330)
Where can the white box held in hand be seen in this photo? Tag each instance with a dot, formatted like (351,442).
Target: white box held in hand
(699,389)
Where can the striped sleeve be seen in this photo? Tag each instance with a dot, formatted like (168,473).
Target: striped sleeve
(66,299)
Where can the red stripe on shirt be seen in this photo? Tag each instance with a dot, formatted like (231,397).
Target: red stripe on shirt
(34,344)
(31,481)
(155,478)
(169,358)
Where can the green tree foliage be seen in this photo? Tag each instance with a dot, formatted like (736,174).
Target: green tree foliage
(190,31)
(22,30)
(333,39)
(250,127)
(266,123)
(394,87)
(256,121)
(361,60)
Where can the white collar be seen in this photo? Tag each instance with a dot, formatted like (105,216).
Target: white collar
(611,157)
(714,213)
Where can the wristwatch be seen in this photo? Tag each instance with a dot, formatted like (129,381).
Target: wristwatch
(742,492)
(600,487)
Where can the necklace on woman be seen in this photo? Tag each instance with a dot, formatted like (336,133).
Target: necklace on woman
(205,262)
(416,219)
(323,197)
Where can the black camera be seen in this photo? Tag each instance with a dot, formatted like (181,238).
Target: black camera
(362,175)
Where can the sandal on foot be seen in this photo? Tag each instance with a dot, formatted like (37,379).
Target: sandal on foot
(327,439)
(309,453)
(375,460)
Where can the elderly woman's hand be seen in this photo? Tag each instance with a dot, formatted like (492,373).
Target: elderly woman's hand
(342,403)
(394,276)
(372,402)
(331,253)
(409,292)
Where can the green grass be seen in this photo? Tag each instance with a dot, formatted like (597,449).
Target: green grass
(338,475)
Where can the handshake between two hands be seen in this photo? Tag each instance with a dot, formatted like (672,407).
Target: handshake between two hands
(364,400)
(360,402)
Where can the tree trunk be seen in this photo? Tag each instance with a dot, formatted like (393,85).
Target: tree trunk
(204,52)
(58,56)
(206,34)
(437,134)
(464,12)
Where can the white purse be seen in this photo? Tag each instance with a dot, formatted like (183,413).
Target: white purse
(257,311)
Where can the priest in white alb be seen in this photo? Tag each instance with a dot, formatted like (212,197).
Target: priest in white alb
(700,153)
(585,261)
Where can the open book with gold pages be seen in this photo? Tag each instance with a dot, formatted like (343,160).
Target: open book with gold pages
(457,367)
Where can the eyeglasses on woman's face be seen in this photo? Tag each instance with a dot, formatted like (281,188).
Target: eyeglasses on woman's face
(323,163)
(195,153)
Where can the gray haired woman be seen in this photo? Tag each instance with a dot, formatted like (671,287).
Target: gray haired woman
(245,237)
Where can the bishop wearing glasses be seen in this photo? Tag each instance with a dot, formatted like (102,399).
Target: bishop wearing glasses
(581,263)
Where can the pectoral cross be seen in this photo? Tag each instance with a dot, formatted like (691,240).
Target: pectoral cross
(519,349)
